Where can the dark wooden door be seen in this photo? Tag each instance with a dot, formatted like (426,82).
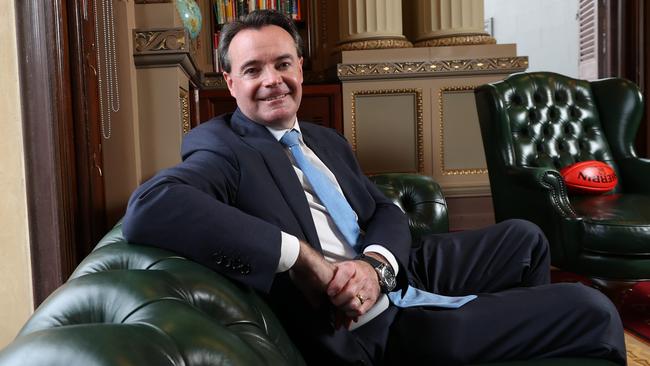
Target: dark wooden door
(58,92)
(626,43)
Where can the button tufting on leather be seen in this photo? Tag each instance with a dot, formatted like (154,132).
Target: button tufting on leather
(408,202)
(532,114)
(574,112)
(517,99)
(524,132)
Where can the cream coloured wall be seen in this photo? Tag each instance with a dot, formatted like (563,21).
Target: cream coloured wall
(121,152)
(546,31)
(16,300)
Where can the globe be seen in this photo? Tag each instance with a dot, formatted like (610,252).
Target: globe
(190,14)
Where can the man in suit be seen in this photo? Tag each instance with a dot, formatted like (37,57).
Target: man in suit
(283,206)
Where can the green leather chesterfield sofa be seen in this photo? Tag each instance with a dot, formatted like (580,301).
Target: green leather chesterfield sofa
(127,304)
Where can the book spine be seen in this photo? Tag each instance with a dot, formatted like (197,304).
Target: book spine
(215,51)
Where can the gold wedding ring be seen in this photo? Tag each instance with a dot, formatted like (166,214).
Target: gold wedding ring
(361,299)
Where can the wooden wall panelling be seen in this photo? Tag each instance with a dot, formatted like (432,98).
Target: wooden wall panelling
(49,161)
(92,223)
(624,27)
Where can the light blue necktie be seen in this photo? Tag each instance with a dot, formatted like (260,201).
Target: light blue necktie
(345,219)
(337,206)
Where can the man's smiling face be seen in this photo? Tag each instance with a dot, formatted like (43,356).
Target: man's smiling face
(265,76)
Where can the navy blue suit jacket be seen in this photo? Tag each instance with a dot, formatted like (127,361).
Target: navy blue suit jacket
(225,204)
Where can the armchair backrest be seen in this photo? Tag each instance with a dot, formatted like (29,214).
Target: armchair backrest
(541,120)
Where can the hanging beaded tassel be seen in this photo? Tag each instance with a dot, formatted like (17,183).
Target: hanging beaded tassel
(106,65)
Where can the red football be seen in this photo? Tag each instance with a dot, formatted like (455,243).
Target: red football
(590,176)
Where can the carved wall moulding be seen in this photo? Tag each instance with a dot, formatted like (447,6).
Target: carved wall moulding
(164,48)
(374,44)
(419,130)
(457,41)
(443,169)
(149,41)
(184,99)
(213,81)
(430,68)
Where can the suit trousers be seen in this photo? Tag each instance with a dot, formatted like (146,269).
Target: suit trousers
(518,314)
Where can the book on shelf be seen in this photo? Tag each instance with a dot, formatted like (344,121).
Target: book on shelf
(228,10)
(225,11)
(215,51)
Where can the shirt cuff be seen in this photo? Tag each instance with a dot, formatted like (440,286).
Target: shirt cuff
(289,250)
(384,252)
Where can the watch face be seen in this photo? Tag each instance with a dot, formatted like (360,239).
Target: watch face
(387,279)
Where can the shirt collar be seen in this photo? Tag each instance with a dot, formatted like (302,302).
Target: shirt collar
(279,133)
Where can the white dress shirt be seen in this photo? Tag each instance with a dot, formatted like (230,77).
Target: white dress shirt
(335,247)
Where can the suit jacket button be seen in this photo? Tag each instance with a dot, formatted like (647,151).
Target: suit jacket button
(217,257)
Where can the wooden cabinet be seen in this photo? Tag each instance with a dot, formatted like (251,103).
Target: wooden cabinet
(321,104)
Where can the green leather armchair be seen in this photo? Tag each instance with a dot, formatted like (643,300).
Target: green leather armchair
(532,125)
(127,304)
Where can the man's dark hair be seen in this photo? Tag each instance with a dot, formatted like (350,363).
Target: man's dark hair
(255,20)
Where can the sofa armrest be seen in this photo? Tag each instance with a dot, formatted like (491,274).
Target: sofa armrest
(144,305)
(421,199)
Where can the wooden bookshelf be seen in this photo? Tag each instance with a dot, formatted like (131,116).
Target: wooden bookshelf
(224,11)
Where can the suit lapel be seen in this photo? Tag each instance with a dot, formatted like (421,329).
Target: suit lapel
(277,162)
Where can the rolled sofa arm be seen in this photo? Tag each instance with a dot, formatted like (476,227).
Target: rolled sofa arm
(421,199)
(127,304)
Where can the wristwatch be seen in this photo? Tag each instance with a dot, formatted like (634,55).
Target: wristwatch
(385,272)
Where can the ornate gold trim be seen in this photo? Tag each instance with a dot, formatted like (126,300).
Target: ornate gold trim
(163,47)
(457,40)
(443,170)
(373,44)
(184,99)
(423,68)
(213,81)
(148,41)
(419,138)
